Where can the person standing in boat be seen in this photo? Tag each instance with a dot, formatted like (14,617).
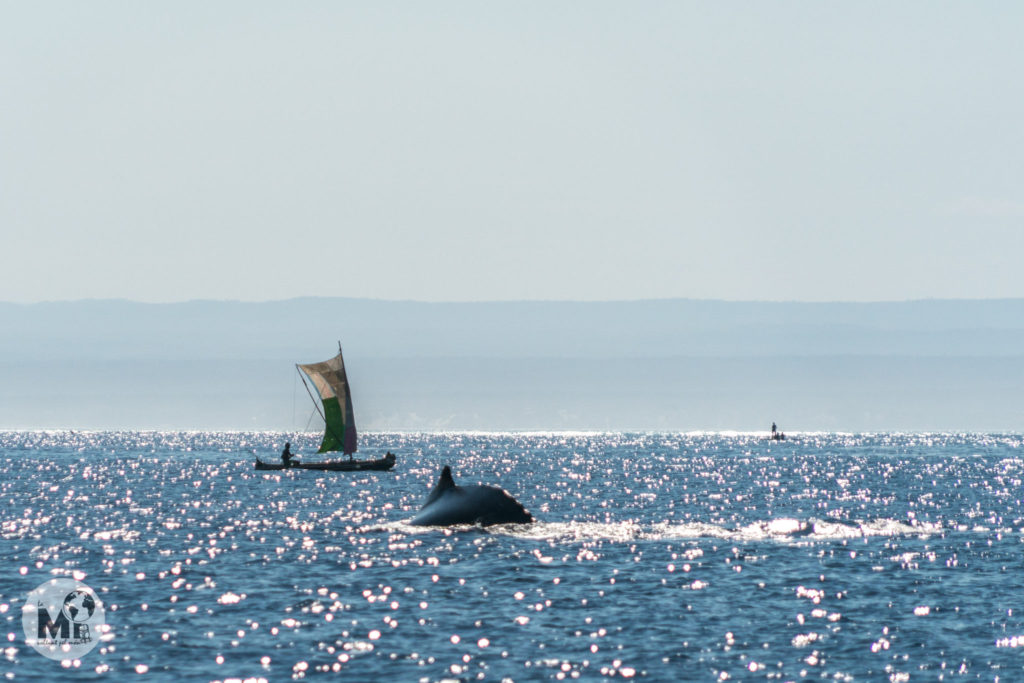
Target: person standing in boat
(773,430)
(286,454)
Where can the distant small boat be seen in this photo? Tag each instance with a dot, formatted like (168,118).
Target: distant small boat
(331,384)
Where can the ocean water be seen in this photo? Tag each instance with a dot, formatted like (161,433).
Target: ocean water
(657,556)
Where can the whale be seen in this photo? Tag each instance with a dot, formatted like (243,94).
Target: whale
(450,504)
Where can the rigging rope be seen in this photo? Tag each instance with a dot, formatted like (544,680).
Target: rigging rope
(295,390)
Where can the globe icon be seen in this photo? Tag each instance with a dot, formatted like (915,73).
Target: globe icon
(79,606)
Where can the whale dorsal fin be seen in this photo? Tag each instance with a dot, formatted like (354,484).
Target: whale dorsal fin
(444,483)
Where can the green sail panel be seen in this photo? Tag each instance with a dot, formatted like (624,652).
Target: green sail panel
(331,383)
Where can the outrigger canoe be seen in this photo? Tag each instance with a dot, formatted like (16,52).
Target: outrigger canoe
(385,463)
(335,395)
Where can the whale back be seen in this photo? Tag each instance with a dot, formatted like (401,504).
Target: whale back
(450,504)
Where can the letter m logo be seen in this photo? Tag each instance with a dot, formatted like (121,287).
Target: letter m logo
(61,628)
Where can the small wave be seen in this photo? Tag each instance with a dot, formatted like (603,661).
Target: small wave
(782,528)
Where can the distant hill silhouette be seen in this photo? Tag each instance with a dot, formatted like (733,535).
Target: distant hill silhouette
(669,365)
(224,329)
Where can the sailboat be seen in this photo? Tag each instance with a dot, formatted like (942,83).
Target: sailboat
(335,407)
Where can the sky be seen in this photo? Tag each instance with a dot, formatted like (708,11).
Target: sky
(468,151)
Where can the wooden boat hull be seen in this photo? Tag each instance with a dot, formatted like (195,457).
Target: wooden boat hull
(382,464)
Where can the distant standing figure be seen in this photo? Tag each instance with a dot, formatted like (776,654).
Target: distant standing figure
(286,454)
(773,429)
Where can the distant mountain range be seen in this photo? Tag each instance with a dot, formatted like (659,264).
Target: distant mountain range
(300,328)
(644,365)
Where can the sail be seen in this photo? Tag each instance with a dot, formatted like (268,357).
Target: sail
(340,422)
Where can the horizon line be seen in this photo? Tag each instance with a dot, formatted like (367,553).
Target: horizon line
(450,302)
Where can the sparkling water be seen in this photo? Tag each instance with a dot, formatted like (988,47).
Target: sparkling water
(657,556)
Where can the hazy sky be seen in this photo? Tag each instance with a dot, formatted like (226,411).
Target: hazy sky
(511,150)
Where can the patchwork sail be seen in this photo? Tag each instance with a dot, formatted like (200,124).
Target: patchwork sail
(336,398)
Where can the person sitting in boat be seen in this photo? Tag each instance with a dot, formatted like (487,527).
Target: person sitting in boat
(286,454)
